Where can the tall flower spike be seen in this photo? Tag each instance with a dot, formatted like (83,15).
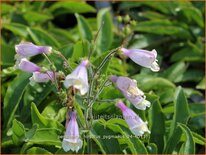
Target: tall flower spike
(72,139)
(29,49)
(42,77)
(78,78)
(137,126)
(143,58)
(129,89)
(27,66)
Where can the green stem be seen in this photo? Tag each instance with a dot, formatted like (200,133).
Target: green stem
(63,57)
(94,42)
(51,64)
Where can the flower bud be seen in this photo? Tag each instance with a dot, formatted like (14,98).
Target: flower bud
(27,66)
(29,49)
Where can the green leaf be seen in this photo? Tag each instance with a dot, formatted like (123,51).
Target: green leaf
(187,54)
(37,94)
(17,29)
(181,115)
(71,7)
(46,136)
(193,14)
(105,37)
(62,35)
(198,138)
(108,143)
(37,150)
(152,148)
(138,144)
(84,28)
(44,122)
(162,27)
(13,96)
(126,139)
(157,128)
(6,8)
(201,84)
(18,132)
(173,72)
(32,16)
(41,37)
(188,146)
(153,83)
(98,141)
(81,49)
(7,55)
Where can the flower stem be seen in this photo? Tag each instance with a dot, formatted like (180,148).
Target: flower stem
(63,57)
(55,80)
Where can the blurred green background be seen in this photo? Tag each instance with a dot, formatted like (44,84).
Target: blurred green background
(175,29)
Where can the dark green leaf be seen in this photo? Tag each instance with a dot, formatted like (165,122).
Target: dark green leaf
(13,97)
(71,7)
(84,28)
(37,150)
(181,115)
(105,37)
(41,37)
(157,128)
(43,122)
(188,147)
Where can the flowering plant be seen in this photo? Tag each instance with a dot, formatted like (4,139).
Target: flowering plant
(81,78)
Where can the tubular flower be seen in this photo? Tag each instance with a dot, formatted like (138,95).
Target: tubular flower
(129,89)
(27,66)
(78,78)
(137,126)
(72,139)
(143,58)
(29,49)
(42,77)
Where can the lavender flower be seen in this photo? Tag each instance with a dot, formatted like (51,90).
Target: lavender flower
(143,57)
(137,126)
(72,139)
(27,66)
(129,89)
(78,78)
(29,49)
(42,77)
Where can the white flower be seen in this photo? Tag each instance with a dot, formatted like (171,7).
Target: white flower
(72,139)
(129,89)
(137,126)
(78,78)
(143,57)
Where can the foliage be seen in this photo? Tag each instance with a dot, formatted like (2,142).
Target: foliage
(33,117)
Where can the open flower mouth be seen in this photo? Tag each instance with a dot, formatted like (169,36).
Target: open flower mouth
(134,91)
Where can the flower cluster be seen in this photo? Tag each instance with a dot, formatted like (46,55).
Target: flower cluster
(26,50)
(78,80)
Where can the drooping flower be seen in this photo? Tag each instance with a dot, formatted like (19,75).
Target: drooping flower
(42,77)
(143,57)
(78,78)
(72,139)
(29,49)
(137,126)
(129,89)
(27,66)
